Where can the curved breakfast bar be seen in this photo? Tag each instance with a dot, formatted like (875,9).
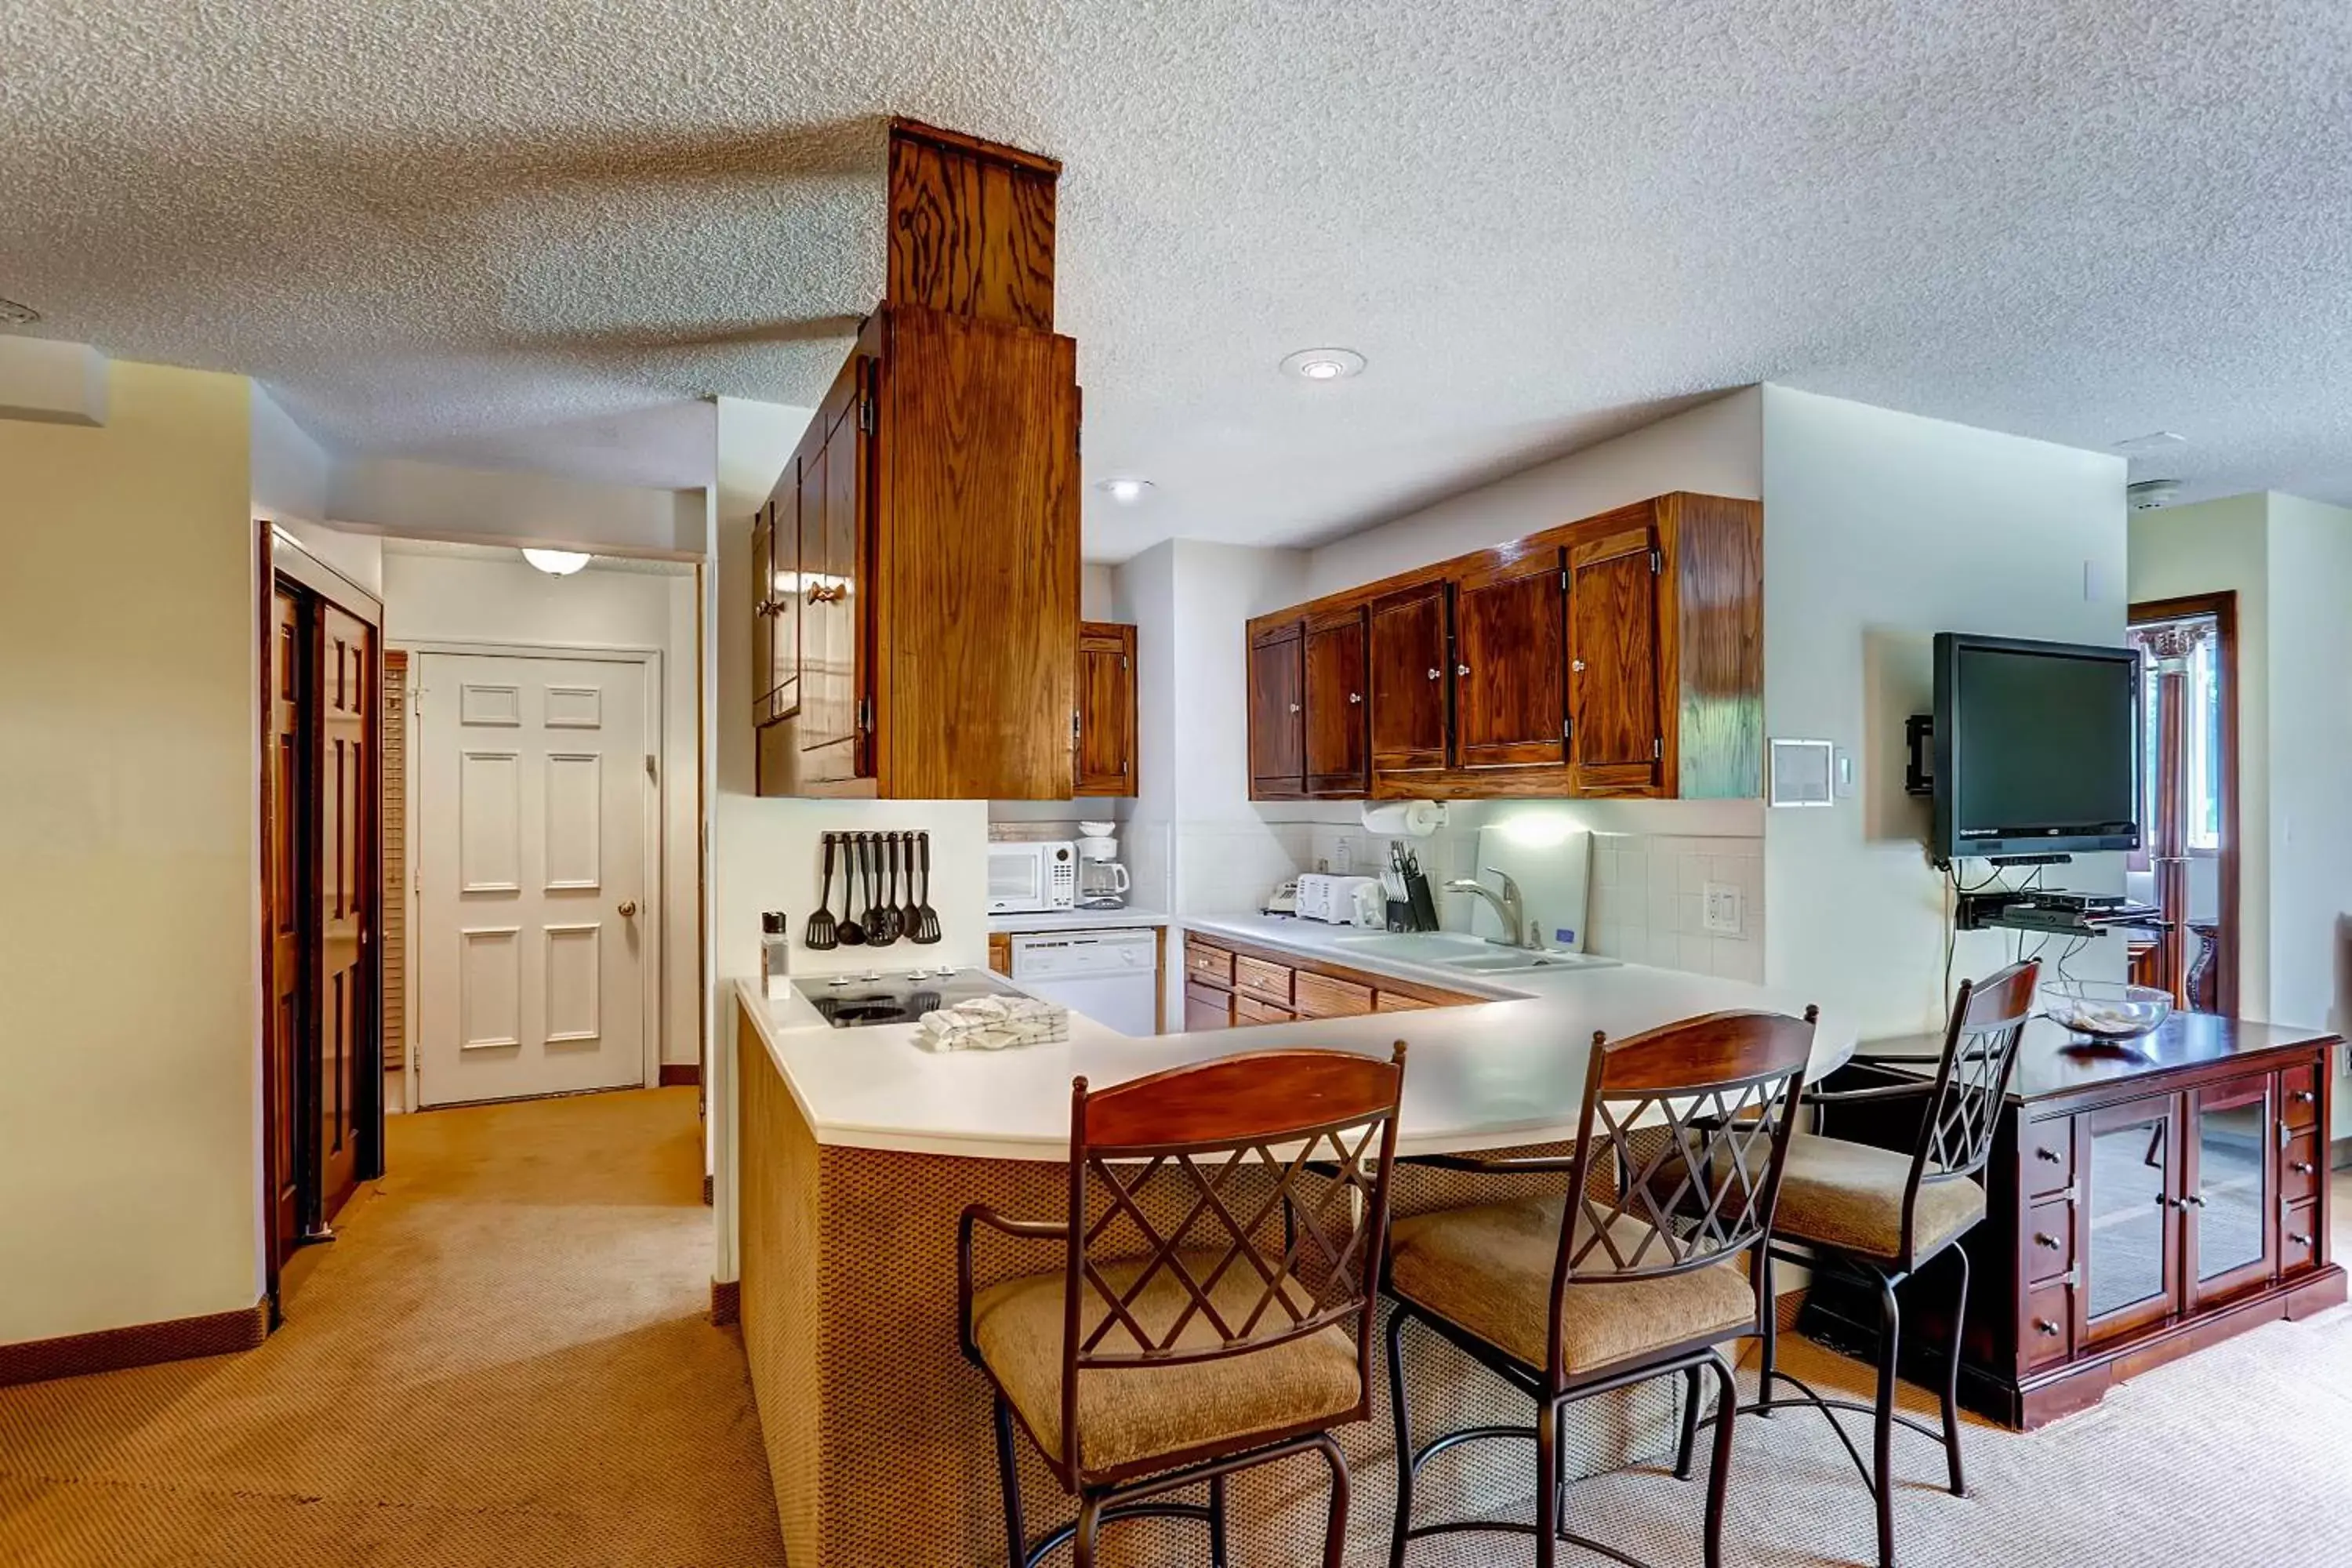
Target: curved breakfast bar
(855,1153)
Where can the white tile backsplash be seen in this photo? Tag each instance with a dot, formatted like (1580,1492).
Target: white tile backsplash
(1649,904)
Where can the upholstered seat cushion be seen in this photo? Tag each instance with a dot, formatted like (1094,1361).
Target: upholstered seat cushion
(1129,1415)
(1850,1196)
(1488,1270)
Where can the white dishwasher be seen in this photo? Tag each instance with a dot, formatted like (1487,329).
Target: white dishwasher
(1111,977)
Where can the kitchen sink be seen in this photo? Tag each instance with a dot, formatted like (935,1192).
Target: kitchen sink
(1471,954)
(1515,963)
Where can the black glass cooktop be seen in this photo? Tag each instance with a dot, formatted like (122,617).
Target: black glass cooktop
(856,1001)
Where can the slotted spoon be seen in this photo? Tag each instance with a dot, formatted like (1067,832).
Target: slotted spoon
(882,927)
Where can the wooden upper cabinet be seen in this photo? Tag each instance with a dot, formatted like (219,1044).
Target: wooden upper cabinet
(1277,728)
(1410,657)
(1105,712)
(1616,733)
(834,495)
(1338,734)
(972,226)
(776,616)
(1510,625)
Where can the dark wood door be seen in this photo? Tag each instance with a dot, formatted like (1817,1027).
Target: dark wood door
(1106,716)
(1411,646)
(2130,1255)
(1277,732)
(1337,732)
(832,498)
(2230,1185)
(1617,742)
(344,896)
(282,841)
(776,611)
(1510,627)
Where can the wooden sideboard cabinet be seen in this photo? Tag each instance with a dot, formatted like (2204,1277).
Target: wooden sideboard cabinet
(2139,1209)
(1617,655)
(1234,984)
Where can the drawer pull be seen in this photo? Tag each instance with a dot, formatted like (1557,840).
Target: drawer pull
(1435,673)
(2051,1242)
(2298,1240)
(2306,1097)
(2302,1167)
(2045,1328)
(2047,1156)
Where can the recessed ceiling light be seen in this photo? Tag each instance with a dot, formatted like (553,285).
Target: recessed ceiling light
(1323,365)
(558,562)
(1127,492)
(13,315)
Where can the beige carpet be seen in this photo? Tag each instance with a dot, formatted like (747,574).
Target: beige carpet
(506,1359)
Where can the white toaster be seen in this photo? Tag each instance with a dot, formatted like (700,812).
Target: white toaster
(1331,900)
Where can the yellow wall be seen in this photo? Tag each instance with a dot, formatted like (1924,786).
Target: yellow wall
(128,905)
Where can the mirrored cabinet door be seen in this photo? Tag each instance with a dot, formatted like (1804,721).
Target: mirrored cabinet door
(2228,1191)
(2131,1256)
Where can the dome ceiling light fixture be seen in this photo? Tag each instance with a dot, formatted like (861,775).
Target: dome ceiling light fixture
(1127,489)
(13,315)
(1323,365)
(558,562)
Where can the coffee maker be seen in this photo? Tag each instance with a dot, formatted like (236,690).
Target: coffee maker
(1102,880)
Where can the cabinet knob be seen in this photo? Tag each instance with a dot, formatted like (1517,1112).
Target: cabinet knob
(2298,1240)
(1293,707)
(1461,669)
(2047,1156)
(1355,697)
(2301,1167)
(1576,664)
(1434,672)
(2045,1328)
(2049,1242)
(2306,1097)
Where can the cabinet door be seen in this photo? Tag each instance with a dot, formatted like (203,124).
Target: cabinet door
(764,611)
(1106,720)
(1338,743)
(832,497)
(1510,625)
(2230,1185)
(1207,1009)
(1277,730)
(1616,738)
(783,586)
(1410,648)
(2130,1255)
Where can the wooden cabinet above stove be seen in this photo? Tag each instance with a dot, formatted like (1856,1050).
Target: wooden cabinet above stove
(1618,655)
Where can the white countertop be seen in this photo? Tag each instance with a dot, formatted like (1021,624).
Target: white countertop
(1484,1076)
(1079,919)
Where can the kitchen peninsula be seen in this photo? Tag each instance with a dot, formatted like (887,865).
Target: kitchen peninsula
(856,1153)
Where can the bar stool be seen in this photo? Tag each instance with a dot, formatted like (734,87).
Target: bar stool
(1877,1216)
(1629,1271)
(1214,1308)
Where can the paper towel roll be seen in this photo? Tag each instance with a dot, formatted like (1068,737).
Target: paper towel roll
(1415,818)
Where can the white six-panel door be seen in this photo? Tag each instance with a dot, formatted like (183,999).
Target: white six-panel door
(530,832)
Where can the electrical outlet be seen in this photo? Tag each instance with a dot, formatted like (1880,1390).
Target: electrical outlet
(1722,908)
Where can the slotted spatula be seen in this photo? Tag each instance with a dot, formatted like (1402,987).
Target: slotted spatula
(852,933)
(822,932)
(926,919)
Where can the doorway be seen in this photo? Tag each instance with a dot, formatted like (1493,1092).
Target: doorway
(536,862)
(321,1089)
(2187,865)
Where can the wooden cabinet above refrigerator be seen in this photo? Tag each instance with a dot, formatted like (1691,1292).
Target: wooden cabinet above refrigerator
(934,504)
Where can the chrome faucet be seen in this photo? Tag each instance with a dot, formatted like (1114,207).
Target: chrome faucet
(1508,906)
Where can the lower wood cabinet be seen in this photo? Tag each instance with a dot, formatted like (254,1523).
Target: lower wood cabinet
(2130,1221)
(999,951)
(1232,984)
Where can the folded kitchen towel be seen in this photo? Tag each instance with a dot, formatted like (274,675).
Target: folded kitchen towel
(992,1024)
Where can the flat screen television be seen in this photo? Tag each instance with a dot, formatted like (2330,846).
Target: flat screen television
(2037,747)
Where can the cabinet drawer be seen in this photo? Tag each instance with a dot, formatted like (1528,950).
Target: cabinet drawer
(1268,982)
(2049,1240)
(1206,1007)
(1248,1009)
(2047,1152)
(2047,1333)
(2299,1096)
(2299,1239)
(2300,1166)
(1202,962)
(1320,996)
(1398,1002)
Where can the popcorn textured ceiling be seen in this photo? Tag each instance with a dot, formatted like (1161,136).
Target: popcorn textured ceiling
(534,232)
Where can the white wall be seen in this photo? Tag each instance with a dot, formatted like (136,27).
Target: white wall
(1712,449)
(1880,529)
(293,474)
(49,381)
(445,598)
(130,847)
(437,500)
(2214,547)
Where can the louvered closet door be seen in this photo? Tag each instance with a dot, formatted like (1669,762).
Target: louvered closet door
(534,929)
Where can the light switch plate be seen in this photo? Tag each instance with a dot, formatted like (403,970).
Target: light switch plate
(1723,912)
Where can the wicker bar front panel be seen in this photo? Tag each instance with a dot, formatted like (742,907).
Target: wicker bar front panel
(877,1431)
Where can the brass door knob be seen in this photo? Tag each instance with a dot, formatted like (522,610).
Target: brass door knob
(628,909)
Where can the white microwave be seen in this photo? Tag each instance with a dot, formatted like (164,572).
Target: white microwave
(1030,879)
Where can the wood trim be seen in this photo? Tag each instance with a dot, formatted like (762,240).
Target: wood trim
(726,1302)
(2224,609)
(678,1075)
(265,627)
(139,1344)
(289,559)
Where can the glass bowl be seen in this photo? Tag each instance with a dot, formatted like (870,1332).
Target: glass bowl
(2104,1010)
